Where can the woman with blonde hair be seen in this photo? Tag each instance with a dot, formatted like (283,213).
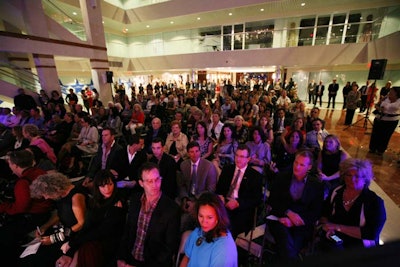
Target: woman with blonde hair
(137,119)
(176,143)
(353,212)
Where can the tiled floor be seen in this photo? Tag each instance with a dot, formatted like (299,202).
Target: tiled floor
(355,140)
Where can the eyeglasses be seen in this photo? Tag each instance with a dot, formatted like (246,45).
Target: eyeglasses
(153,181)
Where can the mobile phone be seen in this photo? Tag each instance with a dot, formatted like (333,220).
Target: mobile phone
(336,239)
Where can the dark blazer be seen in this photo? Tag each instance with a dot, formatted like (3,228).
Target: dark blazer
(149,138)
(131,170)
(206,177)
(309,207)
(168,169)
(286,122)
(113,160)
(162,236)
(333,88)
(317,88)
(249,197)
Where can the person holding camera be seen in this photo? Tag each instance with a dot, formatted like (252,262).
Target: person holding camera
(98,241)
(352,215)
(65,223)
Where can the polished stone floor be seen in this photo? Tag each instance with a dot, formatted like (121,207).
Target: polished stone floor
(355,140)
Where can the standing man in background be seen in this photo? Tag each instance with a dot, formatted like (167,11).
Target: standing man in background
(310,90)
(319,92)
(346,91)
(384,91)
(333,88)
(364,94)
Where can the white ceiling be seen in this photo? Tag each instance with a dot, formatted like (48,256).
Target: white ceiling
(120,18)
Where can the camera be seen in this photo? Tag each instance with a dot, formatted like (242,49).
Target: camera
(336,239)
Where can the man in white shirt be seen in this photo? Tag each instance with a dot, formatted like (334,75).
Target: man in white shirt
(283,101)
(239,186)
(316,137)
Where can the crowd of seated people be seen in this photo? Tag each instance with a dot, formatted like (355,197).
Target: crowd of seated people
(195,144)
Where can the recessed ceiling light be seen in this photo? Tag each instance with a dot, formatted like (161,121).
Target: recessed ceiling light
(102,22)
(147,26)
(303,4)
(198,18)
(262,9)
(74,13)
(172,22)
(230,14)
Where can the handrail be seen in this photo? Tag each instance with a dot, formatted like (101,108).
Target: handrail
(15,67)
(56,13)
(19,77)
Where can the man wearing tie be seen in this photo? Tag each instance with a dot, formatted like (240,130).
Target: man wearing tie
(315,138)
(319,92)
(240,187)
(198,174)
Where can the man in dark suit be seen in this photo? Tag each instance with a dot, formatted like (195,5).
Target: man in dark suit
(151,236)
(319,92)
(310,89)
(133,157)
(280,123)
(167,166)
(198,174)
(364,95)
(296,200)
(333,88)
(240,187)
(157,110)
(110,151)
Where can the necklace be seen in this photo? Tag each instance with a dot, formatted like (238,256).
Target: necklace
(350,201)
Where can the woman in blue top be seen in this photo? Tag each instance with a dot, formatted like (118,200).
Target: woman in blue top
(211,244)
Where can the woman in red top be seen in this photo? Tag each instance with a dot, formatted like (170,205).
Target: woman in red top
(137,119)
(371,95)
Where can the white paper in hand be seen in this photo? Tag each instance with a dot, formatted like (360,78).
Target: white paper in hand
(30,249)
